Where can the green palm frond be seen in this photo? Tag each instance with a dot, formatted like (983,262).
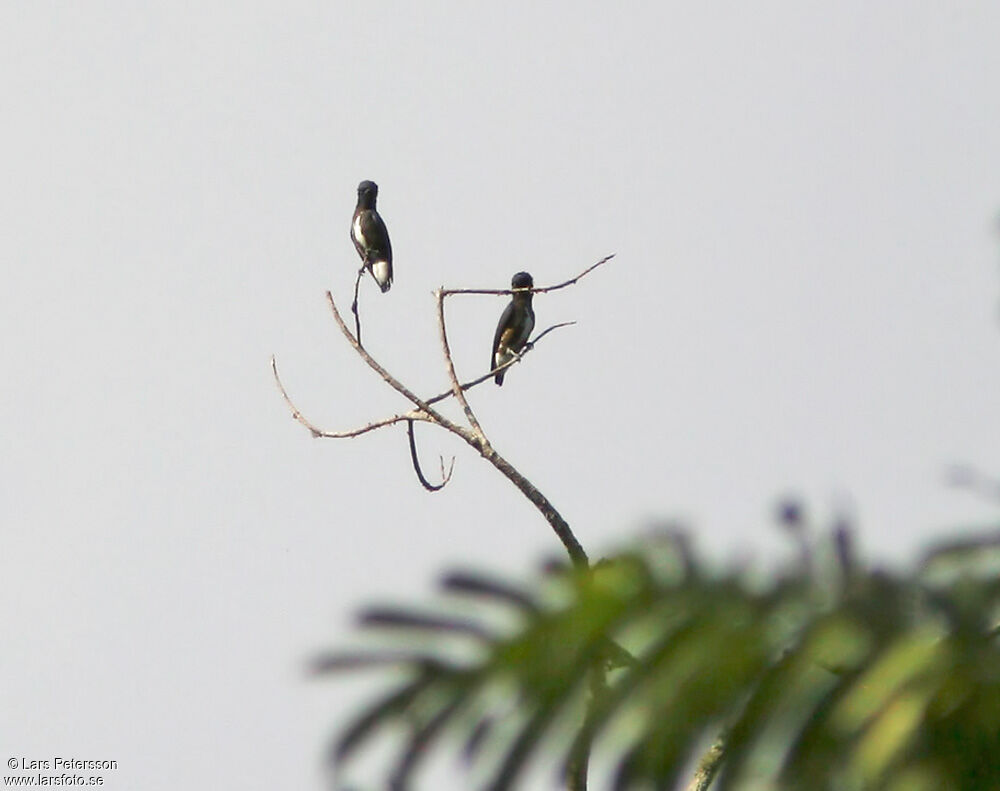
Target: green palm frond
(863,680)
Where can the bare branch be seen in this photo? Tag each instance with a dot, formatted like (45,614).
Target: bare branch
(541,502)
(490,374)
(416,464)
(537,338)
(573,280)
(429,413)
(426,412)
(414,414)
(318,432)
(476,439)
(354,304)
(456,388)
(544,290)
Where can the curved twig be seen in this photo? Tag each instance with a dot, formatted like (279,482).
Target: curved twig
(543,290)
(416,464)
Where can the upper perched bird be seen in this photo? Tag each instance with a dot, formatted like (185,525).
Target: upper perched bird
(516,324)
(370,237)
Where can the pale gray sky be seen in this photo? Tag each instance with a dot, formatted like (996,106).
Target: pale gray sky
(803,200)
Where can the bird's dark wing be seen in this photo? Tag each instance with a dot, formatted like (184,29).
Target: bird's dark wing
(503,333)
(375,234)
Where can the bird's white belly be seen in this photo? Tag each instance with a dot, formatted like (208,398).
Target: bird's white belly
(502,356)
(357,232)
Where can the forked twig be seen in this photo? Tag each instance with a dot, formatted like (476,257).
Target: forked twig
(456,388)
(445,477)
(431,414)
(413,414)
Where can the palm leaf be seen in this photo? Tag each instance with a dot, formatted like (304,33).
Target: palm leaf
(866,680)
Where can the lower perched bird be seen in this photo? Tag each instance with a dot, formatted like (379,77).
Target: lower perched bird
(370,237)
(516,324)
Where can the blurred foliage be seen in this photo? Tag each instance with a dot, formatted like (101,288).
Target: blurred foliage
(826,675)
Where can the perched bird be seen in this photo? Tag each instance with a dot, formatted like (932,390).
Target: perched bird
(370,237)
(516,324)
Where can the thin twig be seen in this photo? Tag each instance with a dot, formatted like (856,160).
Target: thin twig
(530,344)
(416,464)
(414,414)
(456,388)
(490,374)
(354,304)
(542,290)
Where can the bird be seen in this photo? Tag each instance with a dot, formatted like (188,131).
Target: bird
(516,324)
(370,237)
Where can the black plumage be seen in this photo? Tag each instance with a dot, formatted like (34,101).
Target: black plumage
(515,326)
(370,236)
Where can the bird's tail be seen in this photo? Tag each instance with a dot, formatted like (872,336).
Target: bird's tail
(382,272)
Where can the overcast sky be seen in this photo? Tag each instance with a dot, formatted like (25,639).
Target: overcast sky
(803,199)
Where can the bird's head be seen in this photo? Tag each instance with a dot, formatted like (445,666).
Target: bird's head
(368,188)
(522,280)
